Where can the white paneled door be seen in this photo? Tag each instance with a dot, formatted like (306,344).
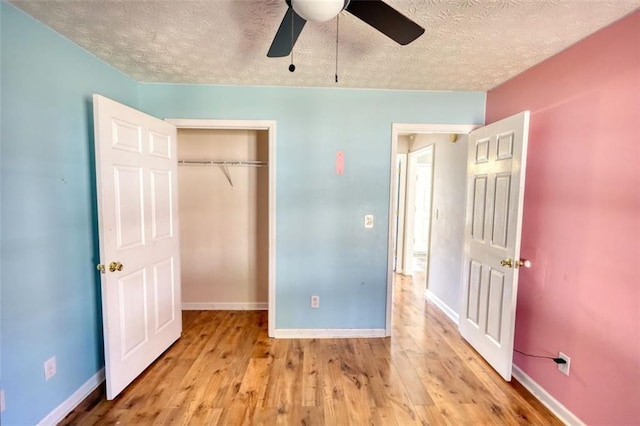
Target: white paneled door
(495,192)
(423,208)
(139,246)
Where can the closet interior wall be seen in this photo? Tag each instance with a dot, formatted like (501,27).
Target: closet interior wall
(223,227)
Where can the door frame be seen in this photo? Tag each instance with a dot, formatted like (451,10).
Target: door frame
(270,127)
(398,219)
(398,129)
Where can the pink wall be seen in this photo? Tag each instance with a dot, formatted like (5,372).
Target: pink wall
(582,222)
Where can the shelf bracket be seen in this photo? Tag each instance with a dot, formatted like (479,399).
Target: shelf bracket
(225,169)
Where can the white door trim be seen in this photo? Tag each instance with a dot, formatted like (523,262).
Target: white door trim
(396,130)
(400,199)
(270,127)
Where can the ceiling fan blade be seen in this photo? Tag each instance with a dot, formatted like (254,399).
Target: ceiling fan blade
(386,19)
(288,32)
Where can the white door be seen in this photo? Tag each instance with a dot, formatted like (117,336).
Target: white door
(409,214)
(136,175)
(423,209)
(416,231)
(495,192)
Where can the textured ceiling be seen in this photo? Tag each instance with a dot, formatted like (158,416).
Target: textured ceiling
(468,44)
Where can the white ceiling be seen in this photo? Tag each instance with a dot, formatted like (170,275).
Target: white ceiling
(468,44)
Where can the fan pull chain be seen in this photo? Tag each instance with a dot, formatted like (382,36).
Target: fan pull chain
(292,67)
(337,34)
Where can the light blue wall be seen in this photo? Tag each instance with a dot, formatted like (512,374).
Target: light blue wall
(50,293)
(322,245)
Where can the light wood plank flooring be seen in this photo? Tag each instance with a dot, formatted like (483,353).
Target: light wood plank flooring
(225,370)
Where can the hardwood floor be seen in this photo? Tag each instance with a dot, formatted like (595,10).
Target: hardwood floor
(225,370)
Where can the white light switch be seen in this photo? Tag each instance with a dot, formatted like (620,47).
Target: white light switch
(368,221)
(50,368)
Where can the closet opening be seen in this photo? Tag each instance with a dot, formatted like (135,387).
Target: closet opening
(226,209)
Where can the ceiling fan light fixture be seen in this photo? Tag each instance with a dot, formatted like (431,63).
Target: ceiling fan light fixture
(375,13)
(318,10)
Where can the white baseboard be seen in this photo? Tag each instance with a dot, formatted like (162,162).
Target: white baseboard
(443,306)
(215,306)
(328,333)
(559,410)
(61,411)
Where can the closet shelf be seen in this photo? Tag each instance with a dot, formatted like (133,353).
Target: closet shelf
(246,163)
(224,164)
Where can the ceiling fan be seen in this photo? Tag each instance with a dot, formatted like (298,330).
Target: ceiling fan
(376,13)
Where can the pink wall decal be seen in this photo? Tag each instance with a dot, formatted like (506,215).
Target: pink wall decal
(340,162)
(581,224)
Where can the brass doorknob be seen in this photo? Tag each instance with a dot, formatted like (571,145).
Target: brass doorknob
(100,268)
(506,262)
(523,263)
(115,266)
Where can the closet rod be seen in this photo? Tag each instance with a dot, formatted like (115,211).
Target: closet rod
(249,163)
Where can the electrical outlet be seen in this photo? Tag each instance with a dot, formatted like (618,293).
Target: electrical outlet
(564,368)
(50,368)
(2,403)
(315,302)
